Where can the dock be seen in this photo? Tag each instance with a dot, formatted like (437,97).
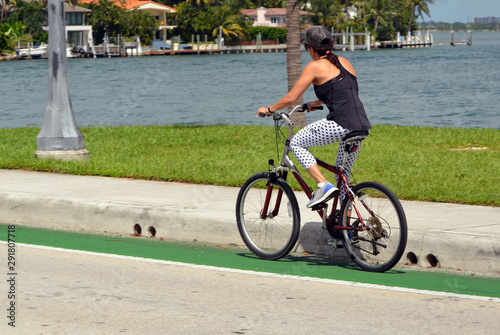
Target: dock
(455,43)
(183,52)
(352,41)
(199,48)
(255,46)
(216,51)
(342,41)
(409,41)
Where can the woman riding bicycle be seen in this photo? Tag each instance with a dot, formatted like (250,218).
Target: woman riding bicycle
(335,84)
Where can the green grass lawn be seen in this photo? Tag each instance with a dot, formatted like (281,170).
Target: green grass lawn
(417,163)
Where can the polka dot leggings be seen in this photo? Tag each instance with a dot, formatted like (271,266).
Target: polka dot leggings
(321,133)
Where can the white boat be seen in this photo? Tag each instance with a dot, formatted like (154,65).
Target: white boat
(38,50)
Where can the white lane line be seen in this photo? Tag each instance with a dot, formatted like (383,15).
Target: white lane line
(263,274)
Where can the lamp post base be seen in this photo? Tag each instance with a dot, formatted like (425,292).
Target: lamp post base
(81,155)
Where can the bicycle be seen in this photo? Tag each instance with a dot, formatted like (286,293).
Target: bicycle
(371,223)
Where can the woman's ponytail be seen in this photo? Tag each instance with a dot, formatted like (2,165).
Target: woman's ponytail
(333,58)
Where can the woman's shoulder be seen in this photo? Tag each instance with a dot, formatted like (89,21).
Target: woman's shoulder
(315,67)
(346,65)
(343,60)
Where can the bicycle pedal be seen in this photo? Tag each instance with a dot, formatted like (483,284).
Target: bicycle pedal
(335,243)
(319,206)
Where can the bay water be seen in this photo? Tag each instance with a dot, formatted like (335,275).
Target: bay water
(441,86)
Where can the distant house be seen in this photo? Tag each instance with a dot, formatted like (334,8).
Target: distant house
(269,17)
(157,10)
(78,31)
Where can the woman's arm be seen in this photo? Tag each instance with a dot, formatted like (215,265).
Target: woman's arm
(305,80)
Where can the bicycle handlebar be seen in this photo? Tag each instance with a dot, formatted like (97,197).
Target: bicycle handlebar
(299,108)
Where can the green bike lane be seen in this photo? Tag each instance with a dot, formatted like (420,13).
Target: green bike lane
(234,257)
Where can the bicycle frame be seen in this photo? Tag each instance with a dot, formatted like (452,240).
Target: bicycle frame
(287,165)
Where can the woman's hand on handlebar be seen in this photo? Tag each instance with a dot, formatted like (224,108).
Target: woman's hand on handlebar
(263,112)
(314,105)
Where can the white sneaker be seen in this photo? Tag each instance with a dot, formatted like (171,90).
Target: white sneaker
(323,194)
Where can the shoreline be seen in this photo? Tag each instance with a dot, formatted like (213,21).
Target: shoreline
(195,125)
(8,57)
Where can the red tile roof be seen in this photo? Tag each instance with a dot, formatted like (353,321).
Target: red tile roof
(131,4)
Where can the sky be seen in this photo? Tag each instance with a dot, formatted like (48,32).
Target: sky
(462,10)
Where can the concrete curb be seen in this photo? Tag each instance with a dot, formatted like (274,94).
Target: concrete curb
(180,224)
(431,249)
(440,235)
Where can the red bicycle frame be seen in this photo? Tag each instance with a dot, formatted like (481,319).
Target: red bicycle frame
(341,181)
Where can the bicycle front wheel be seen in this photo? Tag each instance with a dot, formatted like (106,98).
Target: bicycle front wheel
(273,234)
(378,234)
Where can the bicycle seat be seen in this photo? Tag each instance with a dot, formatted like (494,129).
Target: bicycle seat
(356,135)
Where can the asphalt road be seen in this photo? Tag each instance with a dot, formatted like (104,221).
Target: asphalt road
(62,292)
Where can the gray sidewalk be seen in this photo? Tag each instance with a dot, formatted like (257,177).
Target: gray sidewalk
(457,236)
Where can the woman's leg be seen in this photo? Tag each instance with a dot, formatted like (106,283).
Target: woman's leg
(348,164)
(315,172)
(319,133)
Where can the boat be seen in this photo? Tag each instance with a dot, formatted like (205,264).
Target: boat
(39,50)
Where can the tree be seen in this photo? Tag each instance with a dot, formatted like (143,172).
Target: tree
(107,18)
(326,9)
(267,33)
(6,5)
(4,31)
(33,15)
(11,33)
(140,23)
(209,19)
(421,7)
(379,11)
(190,20)
(275,3)
(293,54)
(231,24)
(199,2)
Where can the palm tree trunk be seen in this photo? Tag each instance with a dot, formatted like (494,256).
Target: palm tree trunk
(411,18)
(293,55)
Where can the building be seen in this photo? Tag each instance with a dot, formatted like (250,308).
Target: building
(78,31)
(486,20)
(159,11)
(269,17)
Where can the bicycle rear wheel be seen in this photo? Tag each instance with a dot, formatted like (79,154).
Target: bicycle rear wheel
(381,243)
(273,235)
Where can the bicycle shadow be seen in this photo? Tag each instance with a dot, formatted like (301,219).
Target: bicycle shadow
(312,250)
(310,261)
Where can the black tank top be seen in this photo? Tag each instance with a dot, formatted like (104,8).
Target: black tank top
(340,95)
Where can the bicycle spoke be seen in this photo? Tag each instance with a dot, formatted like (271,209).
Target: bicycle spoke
(380,233)
(268,217)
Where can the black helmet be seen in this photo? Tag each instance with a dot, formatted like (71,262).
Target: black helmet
(319,37)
